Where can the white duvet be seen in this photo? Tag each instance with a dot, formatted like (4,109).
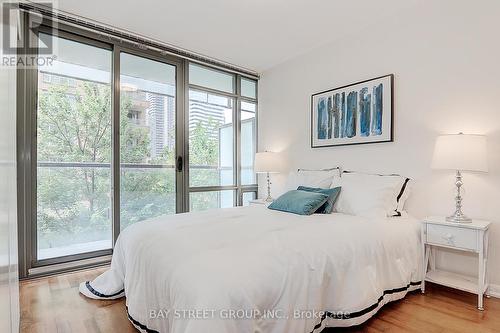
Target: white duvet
(252,269)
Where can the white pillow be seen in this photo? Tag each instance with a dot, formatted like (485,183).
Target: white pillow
(312,178)
(370,195)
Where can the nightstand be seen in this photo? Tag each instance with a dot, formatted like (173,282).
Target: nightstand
(467,237)
(259,202)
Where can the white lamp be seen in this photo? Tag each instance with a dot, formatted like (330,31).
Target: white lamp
(267,162)
(460,152)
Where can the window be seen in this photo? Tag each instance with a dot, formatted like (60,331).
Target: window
(248,88)
(210,78)
(74,151)
(47,78)
(111,135)
(220,171)
(211,200)
(248,142)
(147,139)
(247,197)
(210,139)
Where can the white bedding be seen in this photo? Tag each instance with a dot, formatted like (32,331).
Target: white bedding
(282,269)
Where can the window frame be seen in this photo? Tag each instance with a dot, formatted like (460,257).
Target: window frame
(27,90)
(27,118)
(179,129)
(237,186)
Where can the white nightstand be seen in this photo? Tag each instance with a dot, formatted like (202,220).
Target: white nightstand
(259,202)
(469,237)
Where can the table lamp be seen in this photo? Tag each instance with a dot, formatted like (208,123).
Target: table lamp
(460,152)
(267,162)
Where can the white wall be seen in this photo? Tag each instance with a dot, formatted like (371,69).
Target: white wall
(9,289)
(446,60)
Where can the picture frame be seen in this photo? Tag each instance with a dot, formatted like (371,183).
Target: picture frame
(357,113)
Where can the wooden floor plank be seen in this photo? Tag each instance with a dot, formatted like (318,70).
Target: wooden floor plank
(53,304)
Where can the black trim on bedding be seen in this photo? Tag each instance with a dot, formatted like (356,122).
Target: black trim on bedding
(135,322)
(366,310)
(98,294)
(401,192)
(403,189)
(138,324)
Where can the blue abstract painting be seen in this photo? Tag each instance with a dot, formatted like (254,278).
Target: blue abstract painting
(378,107)
(322,119)
(364,112)
(357,113)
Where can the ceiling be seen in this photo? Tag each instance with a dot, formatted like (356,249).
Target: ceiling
(254,34)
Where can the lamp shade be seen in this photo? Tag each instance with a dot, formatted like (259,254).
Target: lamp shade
(460,152)
(267,162)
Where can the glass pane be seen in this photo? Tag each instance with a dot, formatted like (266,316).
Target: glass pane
(211,78)
(74,151)
(210,139)
(210,200)
(247,196)
(147,139)
(248,88)
(248,144)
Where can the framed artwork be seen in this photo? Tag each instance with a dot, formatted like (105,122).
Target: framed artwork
(358,113)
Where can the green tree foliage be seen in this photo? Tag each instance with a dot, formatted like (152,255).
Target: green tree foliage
(74,202)
(134,140)
(203,153)
(204,150)
(74,125)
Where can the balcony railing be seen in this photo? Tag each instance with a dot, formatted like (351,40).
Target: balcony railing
(201,176)
(123,165)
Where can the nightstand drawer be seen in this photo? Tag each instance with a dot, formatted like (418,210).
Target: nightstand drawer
(463,238)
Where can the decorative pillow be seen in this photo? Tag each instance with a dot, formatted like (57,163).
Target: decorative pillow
(299,202)
(333,194)
(321,178)
(371,195)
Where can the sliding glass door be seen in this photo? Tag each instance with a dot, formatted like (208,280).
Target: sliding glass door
(73,150)
(105,157)
(147,139)
(111,135)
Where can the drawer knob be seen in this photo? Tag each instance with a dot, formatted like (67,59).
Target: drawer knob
(448,238)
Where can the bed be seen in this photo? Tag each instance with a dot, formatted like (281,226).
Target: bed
(252,269)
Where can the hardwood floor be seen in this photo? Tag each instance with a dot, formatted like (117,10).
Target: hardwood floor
(53,304)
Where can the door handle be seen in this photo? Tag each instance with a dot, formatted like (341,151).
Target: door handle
(179,163)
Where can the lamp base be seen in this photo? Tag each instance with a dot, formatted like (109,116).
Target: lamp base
(458,216)
(269,198)
(459,219)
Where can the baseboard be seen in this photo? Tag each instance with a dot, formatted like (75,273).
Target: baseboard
(494,290)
